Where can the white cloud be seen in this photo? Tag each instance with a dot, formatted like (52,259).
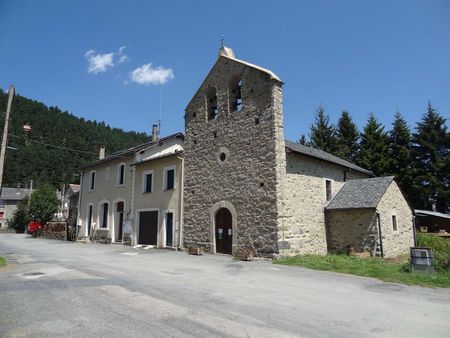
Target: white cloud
(146,75)
(99,63)
(122,56)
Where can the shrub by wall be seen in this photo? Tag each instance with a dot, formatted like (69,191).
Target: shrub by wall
(440,247)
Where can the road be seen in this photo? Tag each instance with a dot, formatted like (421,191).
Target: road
(61,289)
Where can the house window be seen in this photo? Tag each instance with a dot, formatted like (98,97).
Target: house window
(211,103)
(169,178)
(121,174)
(2,215)
(92,180)
(394,222)
(104,223)
(235,95)
(328,189)
(147,181)
(107,172)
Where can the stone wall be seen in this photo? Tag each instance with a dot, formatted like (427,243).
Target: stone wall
(356,227)
(395,242)
(304,196)
(249,179)
(55,230)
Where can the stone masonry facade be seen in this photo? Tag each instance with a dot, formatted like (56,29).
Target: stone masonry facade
(304,199)
(235,160)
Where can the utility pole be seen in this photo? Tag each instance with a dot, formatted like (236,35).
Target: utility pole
(5,135)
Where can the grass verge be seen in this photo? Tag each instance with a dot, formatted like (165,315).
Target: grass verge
(2,262)
(370,267)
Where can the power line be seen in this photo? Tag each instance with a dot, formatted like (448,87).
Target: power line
(55,146)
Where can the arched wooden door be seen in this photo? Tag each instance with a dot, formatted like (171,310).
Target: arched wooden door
(224,231)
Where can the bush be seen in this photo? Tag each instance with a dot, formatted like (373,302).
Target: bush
(43,204)
(440,247)
(20,219)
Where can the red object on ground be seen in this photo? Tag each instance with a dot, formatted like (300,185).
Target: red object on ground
(33,228)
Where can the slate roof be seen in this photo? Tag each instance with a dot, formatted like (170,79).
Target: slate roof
(130,151)
(360,194)
(419,212)
(324,156)
(14,194)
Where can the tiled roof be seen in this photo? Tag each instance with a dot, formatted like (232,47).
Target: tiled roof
(360,194)
(15,194)
(130,151)
(322,155)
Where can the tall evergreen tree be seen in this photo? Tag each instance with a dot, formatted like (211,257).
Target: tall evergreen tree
(347,137)
(400,154)
(374,147)
(322,132)
(431,150)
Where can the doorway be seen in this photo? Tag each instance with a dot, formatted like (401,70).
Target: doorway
(224,231)
(119,223)
(148,227)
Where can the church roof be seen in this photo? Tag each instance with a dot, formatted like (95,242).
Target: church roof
(324,156)
(360,194)
(229,54)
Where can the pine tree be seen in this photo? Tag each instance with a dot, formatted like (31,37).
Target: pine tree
(322,132)
(431,150)
(347,137)
(374,147)
(400,154)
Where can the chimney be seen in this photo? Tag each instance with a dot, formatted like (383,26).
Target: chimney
(155,132)
(101,153)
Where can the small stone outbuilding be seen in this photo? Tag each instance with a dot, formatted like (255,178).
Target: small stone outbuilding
(370,214)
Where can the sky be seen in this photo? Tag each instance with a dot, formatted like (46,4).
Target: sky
(123,62)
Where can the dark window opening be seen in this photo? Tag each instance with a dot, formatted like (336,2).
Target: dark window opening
(257,120)
(170,179)
(222,157)
(169,229)
(105,215)
(120,206)
(92,182)
(148,183)
(89,222)
(215,134)
(236,95)
(261,184)
(328,189)
(195,141)
(394,222)
(121,174)
(194,114)
(211,98)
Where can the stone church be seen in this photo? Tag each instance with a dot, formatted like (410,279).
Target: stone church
(247,187)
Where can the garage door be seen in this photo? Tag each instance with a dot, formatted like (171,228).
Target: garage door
(148,227)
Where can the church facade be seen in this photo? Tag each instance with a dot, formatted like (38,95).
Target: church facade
(247,187)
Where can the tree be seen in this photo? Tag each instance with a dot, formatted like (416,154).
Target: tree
(374,147)
(400,154)
(322,132)
(43,204)
(430,152)
(20,219)
(347,137)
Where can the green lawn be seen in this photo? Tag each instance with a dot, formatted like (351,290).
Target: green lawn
(370,267)
(2,262)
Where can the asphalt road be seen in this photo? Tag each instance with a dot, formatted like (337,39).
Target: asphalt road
(60,289)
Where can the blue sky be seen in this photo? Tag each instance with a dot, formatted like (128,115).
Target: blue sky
(360,56)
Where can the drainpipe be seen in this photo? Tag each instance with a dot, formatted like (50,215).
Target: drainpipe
(181,222)
(79,205)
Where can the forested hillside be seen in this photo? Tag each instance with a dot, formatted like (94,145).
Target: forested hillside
(38,157)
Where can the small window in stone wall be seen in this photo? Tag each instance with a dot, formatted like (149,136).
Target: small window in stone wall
(235,94)
(328,189)
(394,222)
(211,103)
